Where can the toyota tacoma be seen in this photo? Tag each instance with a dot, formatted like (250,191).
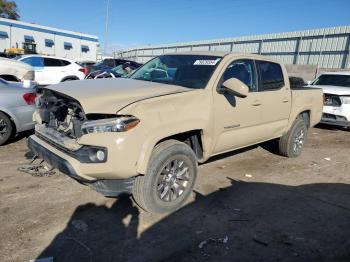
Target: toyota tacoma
(146,134)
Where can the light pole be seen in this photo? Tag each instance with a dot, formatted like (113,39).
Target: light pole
(106,29)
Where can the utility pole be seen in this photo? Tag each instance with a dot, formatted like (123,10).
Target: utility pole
(106,29)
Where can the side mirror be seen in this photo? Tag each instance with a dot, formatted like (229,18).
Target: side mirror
(308,83)
(236,87)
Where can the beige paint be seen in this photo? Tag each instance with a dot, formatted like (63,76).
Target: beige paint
(166,110)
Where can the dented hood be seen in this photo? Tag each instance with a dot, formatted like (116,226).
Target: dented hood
(111,95)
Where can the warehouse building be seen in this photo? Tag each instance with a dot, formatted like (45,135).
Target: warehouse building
(325,47)
(47,40)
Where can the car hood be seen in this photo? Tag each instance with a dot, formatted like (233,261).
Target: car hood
(336,90)
(111,95)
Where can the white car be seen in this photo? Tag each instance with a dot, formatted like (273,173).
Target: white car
(52,70)
(12,70)
(336,90)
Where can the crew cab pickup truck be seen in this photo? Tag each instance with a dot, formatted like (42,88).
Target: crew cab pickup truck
(146,134)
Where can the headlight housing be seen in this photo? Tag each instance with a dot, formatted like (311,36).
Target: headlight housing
(118,124)
(345,99)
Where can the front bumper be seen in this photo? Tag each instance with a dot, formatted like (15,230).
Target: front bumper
(336,120)
(53,159)
(107,187)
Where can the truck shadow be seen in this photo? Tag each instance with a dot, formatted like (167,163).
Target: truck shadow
(243,222)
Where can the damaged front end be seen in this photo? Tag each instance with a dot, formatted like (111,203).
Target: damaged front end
(60,125)
(60,113)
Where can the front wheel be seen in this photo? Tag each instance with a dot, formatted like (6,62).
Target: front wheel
(169,179)
(292,143)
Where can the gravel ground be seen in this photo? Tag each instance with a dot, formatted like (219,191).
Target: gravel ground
(250,205)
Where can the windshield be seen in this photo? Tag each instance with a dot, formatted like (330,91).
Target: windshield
(119,70)
(193,71)
(333,80)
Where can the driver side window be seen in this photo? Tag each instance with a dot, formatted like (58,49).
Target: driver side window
(244,71)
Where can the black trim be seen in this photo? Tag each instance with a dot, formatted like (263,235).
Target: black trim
(330,121)
(113,187)
(54,160)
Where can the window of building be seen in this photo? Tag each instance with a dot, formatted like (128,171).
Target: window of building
(49,42)
(85,49)
(29,39)
(271,75)
(244,71)
(67,46)
(3,34)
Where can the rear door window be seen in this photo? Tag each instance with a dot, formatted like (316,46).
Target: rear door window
(271,75)
(65,62)
(52,62)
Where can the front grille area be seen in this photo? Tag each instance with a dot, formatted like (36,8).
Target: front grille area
(331,100)
(60,112)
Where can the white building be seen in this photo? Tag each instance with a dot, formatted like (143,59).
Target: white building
(48,40)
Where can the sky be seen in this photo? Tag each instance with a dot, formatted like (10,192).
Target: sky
(135,23)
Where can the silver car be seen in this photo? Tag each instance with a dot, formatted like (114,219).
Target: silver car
(17,105)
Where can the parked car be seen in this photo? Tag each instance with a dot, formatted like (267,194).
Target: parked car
(17,105)
(87,65)
(145,134)
(52,70)
(118,71)
(12,70)
(336,89)
(109,63)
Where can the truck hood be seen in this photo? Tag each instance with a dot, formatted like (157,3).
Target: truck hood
(336,90)
(111,95)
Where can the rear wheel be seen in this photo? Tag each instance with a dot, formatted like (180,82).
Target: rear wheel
(292,143)
(169,180)
(6,128)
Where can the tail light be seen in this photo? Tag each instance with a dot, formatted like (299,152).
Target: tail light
(84,70)
(29,98)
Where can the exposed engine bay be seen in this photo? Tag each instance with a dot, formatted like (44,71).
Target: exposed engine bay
(60,112)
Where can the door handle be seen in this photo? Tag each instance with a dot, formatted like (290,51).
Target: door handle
(256,103)
(285,100)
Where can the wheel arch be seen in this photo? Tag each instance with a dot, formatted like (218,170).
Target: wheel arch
(10,78)
(72,77)
(12,119)
(193,138)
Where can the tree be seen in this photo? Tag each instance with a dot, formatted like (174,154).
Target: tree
(8,9)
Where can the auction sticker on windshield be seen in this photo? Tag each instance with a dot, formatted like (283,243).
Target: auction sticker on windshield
(206,62)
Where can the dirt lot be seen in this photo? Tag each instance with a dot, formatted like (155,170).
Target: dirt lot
(250,205)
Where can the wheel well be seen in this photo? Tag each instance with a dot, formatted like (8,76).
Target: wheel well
(12,122)
(70,77)
(9,78)
(306,117)
(192,138)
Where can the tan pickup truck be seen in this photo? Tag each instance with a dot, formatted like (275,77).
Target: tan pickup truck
(146,134)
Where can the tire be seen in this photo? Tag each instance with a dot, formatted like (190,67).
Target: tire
(291,144)
(6,129)
(169,179)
